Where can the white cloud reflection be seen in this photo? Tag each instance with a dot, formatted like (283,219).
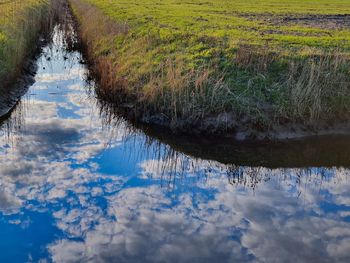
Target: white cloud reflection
(234,224)
(207,211)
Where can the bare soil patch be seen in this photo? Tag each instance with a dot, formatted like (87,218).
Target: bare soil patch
(337,22)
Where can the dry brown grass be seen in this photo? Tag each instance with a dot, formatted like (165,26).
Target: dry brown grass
(256,58)
(97,32)
(319,87)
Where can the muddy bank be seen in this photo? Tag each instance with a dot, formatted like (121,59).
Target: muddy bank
(14,90)
(227,125)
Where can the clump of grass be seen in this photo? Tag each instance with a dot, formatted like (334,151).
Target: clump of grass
(189,62)
(20,24)
(319,87)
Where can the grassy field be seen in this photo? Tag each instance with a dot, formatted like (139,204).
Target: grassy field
(266,61)
(20,23)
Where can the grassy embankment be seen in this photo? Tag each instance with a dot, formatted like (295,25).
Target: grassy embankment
(185,63)
(20,23)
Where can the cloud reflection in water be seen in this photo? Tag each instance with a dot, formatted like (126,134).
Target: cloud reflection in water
(159,205)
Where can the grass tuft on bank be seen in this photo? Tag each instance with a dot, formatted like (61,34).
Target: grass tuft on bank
(221,64)
(20,24)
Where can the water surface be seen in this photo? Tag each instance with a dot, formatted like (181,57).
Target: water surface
(78,184)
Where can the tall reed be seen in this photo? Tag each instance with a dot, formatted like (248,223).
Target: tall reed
(20,25)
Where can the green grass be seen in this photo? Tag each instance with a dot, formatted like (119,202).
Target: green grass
(228,19)
(197,30)
(197,58)
(20,23)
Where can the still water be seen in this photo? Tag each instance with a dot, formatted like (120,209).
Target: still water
(78,184)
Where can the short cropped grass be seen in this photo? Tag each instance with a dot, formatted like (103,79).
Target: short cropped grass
(266,61)
(20,22)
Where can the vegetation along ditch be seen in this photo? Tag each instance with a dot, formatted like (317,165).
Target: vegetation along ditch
(247,69)
(24,29)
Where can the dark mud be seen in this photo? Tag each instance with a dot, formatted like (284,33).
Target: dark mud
(228,126)
(336,22)
(11,93)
